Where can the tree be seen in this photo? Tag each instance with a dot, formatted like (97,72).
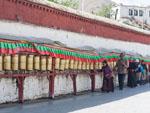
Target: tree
(68,3)
(105,11)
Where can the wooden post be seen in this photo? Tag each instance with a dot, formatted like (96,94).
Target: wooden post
(20,88)
(74,76)
(92,76)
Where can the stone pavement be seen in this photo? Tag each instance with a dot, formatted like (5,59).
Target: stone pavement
(129,100)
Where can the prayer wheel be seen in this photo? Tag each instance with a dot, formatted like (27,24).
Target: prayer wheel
(84,65)
(80,65)
(49,63)
(91,65)
(37,62)
(62,64)
(15,62)
(88,66)
(97,65)
(71,66)
(1,62)
(43,63)
(67,64)
(7,62)
(76,65)
(23,62)
(57,63)
(100,65)
(30,62)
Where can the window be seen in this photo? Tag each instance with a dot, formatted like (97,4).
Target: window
(130,12)
(135,12)
(141,13)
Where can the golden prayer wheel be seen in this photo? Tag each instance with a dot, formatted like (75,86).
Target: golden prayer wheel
(15,62)
(37,62)
(76,64)
(100,65)
(49,63)
(1,62)
(114,64)
(88,66)
(7,62)
(57,63)
(67,64)
(84,65)
(62,64)
(97,65)
(91,65)
(43,63)
(80,65)
(23,62)
(71,66)
(30,62)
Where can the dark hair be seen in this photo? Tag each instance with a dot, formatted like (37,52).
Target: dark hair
(105,61)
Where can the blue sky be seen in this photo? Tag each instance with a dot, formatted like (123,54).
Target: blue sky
(134,2)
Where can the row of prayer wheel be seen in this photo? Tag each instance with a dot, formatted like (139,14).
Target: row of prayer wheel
(43,63)
(25,62)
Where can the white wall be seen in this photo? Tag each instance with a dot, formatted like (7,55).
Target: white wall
(8,90)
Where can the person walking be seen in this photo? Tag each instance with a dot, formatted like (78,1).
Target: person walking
(121,67)
(108,84)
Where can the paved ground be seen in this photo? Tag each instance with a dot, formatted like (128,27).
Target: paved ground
(129,100)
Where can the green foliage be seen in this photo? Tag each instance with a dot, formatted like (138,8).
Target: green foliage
(105,11)
(68,3)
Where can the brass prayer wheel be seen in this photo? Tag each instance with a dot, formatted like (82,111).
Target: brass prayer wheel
(7,62)
(80,65)
(37,62)
(57,63)
(100,65)
(76,64)
(91,65)
(23,62)
(1,62)
(30,62)
(49,63)
(71,66)
(62,64)
(88,66)
(43,63)
(96,65)
(15,62)
(67,64)
(84,65)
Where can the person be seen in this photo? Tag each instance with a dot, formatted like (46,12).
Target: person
(139,71)
(108,84)
(131,74)
(121,67)
(144,72)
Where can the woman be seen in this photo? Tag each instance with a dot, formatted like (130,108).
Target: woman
(108,84)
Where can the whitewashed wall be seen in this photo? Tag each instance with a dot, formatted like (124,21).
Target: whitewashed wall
(8,90)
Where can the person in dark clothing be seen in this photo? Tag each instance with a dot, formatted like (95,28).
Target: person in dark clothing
(132,75)
(108,84)
(144,72)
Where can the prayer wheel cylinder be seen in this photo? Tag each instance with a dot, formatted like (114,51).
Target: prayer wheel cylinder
(49,63)
(84,65)
(57,63)
(80,65)
(96,65)
(30,62)
(62,64)
(71,64)
(88,66)
(76,64)
(43,63)
(37,62)
(92,66)
(15,62)
(100,65)
(67,64)
(23,62)
(7,62)
(1,63)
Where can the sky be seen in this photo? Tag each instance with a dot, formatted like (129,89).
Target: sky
(134,2)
